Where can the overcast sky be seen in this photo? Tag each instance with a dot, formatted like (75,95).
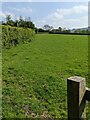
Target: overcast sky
(64,14)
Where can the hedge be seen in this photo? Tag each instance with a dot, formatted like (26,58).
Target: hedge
(11,36)
(68,33)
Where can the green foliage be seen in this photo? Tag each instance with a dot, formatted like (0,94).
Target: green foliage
(11,36)
(34,75)
(8,18)
(19,23)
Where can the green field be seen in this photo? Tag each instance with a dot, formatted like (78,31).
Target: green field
(35,75)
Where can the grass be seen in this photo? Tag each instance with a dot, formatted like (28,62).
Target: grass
(35,74)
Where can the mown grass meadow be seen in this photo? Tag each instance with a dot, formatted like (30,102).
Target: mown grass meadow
(35,75)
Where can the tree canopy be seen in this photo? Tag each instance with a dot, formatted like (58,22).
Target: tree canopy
(27,23)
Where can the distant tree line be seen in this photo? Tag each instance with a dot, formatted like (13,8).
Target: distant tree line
(27,23)
(68,31)
(59,30)
(49,29)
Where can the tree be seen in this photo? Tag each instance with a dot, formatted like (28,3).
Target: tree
(8,18)
(47,27)
(16,23)
(21,22)
(9,21)
(28,19)
(60,29)
(36,30)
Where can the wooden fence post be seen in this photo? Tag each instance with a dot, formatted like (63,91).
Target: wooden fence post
(87,94)
(76,97)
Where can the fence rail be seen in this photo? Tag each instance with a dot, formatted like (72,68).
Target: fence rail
(77,94)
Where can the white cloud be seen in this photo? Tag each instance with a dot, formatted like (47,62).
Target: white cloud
(25,10)
(74,10)
(80,9)
(2,14)
(78,22)
(8,13)
(13,16)
(77,16)
(55,16)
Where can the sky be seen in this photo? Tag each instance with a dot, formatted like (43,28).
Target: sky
(45,0)
(56,14)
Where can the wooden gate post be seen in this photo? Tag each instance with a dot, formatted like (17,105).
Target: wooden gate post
(76,88)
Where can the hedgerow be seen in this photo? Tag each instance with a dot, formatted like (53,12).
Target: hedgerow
(11,36)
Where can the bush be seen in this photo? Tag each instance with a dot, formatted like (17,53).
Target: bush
(11,36)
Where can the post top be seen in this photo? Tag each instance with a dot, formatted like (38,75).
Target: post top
(76,79)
